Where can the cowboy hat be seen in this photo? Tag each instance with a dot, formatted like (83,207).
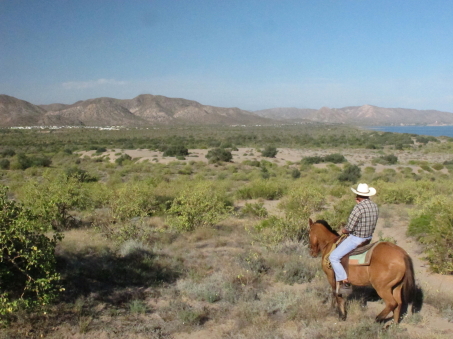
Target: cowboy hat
(364,190)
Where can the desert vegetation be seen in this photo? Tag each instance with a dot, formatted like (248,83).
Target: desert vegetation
(208,235)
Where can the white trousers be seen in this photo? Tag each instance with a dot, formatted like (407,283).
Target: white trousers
(350,243)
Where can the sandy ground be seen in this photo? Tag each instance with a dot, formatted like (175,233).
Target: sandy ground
(361,157)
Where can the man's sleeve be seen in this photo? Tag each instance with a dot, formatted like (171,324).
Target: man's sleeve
(354,219)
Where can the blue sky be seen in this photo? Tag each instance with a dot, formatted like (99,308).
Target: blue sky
(247,54)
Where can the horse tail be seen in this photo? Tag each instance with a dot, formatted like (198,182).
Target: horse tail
(409,287)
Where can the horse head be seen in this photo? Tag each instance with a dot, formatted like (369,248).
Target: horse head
(314,244)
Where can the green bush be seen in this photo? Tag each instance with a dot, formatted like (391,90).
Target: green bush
(437,167)
(338,215)
(351,173)
(390,159)
(80,175)
(175,150)
(295,173)
(216,155)
(27,261)
(269,152)
(255,209)
(54,196)
(123,158)
(4,164)
(419,226)
(100,150)
(131,200)
(8,152)
(199,206)
(335,158)
(312,160)
(262,188)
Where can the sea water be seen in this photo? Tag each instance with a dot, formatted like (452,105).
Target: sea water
(434,131)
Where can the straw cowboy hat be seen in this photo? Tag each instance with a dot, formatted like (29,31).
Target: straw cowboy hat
(364,190)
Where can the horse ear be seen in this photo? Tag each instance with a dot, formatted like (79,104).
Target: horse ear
(310,222)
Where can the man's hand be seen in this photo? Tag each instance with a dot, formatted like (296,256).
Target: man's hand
(344,231)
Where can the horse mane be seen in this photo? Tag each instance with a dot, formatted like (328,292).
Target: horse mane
(326,225)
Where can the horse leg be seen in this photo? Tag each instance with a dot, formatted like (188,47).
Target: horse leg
(397,296)
(341,302)
(390,303)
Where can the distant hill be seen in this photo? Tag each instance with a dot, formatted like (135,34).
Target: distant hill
(365,115)
(16,112)
(147,109)
(143,110)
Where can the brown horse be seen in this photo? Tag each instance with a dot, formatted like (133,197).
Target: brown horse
(390,272)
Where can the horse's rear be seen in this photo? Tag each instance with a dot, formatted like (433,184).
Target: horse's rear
(391,274)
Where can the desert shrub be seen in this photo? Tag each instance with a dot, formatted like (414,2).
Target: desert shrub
(426,168)
(22,162)
(390,159)
(296,269)
(269,152)
(423,139)
(8,152)
(338,215)
(295,173)
(123,158)
(404,192)
(253,261)
(41,161)
(419,225)
(27,269)
(216,155)
(131,200)
(80,175)
(433,227)
(175,150)
(438,167)
(255,210)
(100,150)
(262,188)
(54,196)
(335,158)
(199,206)
(351,173)
(4,164)
(254,163)
(312,160)
(298,205)
(302,200)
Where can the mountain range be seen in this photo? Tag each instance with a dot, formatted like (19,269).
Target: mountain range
(365,115)
(143,110)
(147,109)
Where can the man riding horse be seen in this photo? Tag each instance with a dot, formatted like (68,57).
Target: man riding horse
(361,224)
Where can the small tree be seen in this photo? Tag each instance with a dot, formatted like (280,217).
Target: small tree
(269,152)
(351,173)
(27,258)
(199,206)
(176,150)
(4,164)
(216,155)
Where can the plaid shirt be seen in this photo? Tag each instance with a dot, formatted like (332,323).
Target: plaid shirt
(363,218)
